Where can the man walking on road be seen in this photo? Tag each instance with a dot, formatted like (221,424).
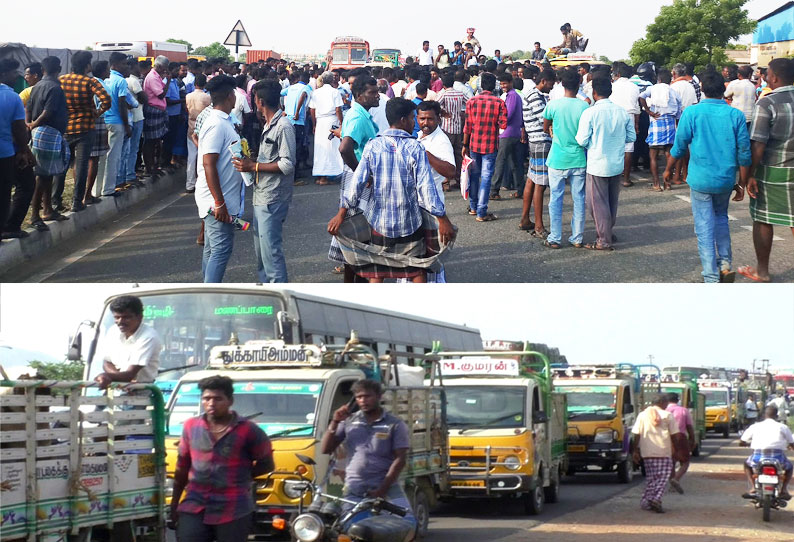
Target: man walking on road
(716,138)
(682,444)
(220,455)
(652,443)
(566,160)
(771,185)
(604,130)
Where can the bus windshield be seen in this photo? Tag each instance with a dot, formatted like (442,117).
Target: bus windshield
(486,406)
(715,397)
(276,406)
(191,323)
(358,54)
(341,55)
(590,402)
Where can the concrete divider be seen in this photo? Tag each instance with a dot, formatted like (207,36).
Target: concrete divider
(16,251)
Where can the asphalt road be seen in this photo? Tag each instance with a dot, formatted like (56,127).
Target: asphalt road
(504,521)
(155,242)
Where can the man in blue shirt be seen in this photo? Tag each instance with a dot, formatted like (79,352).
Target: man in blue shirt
(295,102)
(117,121)
(716,135)
(604,130)
(14,150)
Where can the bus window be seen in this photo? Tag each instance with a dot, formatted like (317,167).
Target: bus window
(341,55)
(358,54)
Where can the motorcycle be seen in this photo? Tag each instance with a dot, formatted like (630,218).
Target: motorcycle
(769,476)
(325,519)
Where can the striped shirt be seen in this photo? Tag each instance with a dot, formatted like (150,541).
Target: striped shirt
(534,105)
(220,473)
(773,124)
(453,103)
(402,180)
(80,91)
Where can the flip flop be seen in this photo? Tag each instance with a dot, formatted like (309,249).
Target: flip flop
(322,182)
(472,213)
(548,244)
(594,246)
(495,197)
(539,234)
(516,195)
(653,188)
(528,227)
(752,274)
(338,270)
(57,217)
(299,183)
(39,225)
(487,218)
(627,183)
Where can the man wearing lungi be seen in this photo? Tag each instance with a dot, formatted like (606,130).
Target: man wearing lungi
(663,106)
(653,443)
(771,185)
(398,169)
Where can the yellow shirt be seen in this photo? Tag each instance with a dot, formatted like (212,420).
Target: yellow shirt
(655,439)
(25,95)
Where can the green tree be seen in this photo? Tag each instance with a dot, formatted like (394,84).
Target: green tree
(62,370)
(695,31)
(183,42)
(213,50)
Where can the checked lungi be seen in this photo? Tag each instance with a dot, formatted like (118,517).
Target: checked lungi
(101,146)
(661,132)
(538,154)
(657,474)
(51,151)
(775,201)
(155,122)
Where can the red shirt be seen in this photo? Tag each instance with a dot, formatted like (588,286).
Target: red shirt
(485,116)
(219,476)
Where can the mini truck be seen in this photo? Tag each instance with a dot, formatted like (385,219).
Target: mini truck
(603,403)
(292,391)
(720,409)
(684,383)
(506,426)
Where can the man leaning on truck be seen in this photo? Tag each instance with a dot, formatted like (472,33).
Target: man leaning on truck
(377,446)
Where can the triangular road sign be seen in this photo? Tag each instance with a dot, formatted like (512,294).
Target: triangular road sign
(238,37)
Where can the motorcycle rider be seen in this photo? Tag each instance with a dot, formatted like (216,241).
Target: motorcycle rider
(377,446)
(769,440)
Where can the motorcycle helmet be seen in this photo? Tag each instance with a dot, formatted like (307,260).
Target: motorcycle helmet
(647,71)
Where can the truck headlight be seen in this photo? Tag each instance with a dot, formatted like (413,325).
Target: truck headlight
(307,528)
(512,462)
(721,418)
(603,436)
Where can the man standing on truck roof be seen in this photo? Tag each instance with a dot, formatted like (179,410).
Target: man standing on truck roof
(684,420)
(132,349)
(220,455)
(377,446)
(652,443)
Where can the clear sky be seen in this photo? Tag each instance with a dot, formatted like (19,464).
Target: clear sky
(600,323)
(310,25)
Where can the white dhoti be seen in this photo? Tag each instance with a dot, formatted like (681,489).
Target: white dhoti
(327,160)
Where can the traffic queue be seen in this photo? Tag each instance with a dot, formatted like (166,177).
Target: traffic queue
(500,423)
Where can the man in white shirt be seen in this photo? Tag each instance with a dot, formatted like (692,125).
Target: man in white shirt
(425,56)
(750,411)
(682,85)
(627,95)
(742,94)
(132,350)
(768,439)
(219,185)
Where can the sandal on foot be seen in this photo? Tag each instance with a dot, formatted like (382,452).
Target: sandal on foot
(528,227)
(577,245)
(596,246)
(627,183)
(495,197)
(752,274)
(39,225)
(539,234)
(655,188)
(668,186)
(322,182)
(338,270)
(516,195)
(550,244)
(57,217)
(487,218)
(299,183)
(472,213)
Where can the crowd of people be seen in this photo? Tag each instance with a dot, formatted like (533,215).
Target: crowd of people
(396,139)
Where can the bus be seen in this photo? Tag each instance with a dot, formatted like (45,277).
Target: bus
(192,320)
(347,53)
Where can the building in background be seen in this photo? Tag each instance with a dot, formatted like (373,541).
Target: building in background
(774,35)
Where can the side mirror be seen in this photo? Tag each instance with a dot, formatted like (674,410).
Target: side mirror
(628,409)
(305,459)
(539,417)
(75,352)
(284,327)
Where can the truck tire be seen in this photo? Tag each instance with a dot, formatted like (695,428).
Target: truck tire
(767,505)
(551,494)
(626,471)
(421,508)
(533,501)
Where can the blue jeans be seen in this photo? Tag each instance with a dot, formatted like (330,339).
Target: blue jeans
(128,173)
(557,178)
(710,212)
(480,174)
(268,224)
(218,245)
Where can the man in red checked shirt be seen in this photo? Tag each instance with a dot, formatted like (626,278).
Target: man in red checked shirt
(220,455)
(485,116)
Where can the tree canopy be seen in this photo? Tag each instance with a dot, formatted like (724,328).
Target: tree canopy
(693,31)
(213,50)
(66,370)
(183,42)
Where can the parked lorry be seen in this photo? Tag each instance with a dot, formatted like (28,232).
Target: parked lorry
(603,402)
(176,52)
(72,463)
(720,406)
(506,426)
(292,391)
(684,383)
(255,55)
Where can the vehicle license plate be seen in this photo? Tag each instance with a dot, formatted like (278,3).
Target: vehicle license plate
(767,479)
(467,483)
(576,448)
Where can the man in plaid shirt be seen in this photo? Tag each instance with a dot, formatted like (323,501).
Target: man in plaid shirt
(220,454)
(485,116)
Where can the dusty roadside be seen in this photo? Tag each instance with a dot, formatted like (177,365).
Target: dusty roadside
(711,509)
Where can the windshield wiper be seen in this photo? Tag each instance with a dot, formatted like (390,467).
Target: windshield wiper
(289,431)
(489,422)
